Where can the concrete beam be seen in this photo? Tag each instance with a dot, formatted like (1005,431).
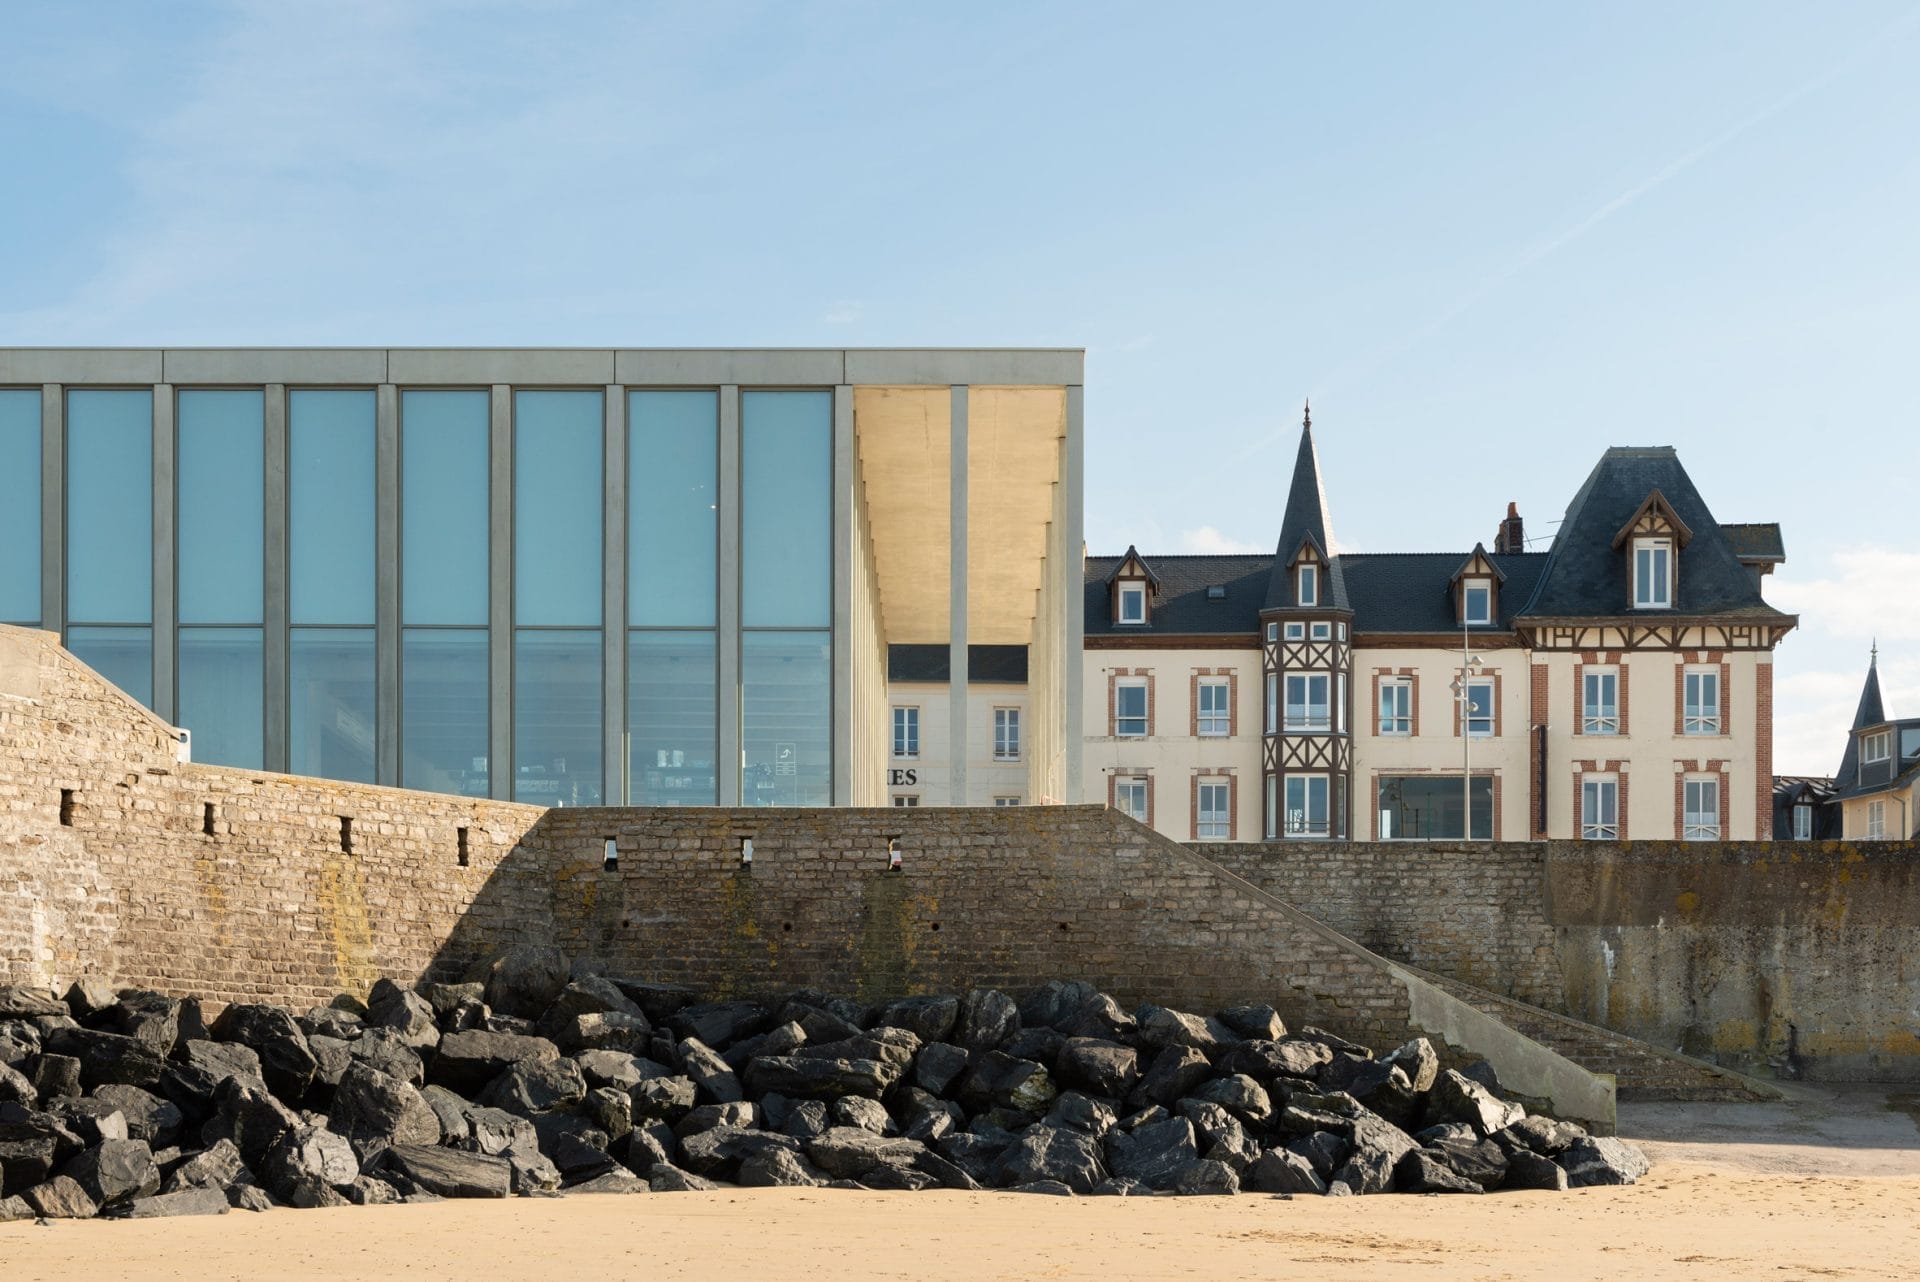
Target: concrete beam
(980,367)
(274,589)
(957,588)
(386,583)
(53,508)
(475,367)
(165,492)
(613,599)
(258,366)
(111,366)
(500,600)
(708,367)
(727,761)
(845,504)
(1070,572)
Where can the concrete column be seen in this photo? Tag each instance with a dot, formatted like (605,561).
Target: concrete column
(386,583)
(53,509)
(957,593)
(500,606)
(165,702)
(274,590)
(845,502)
(727,759)
(1069,572)
(613,599)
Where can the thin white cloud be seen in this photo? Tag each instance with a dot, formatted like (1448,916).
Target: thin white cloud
(1208,541)
(1874,594)
(847,311)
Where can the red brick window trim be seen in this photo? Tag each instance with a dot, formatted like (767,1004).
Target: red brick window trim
(1115,679)
(1492,675)
(1615,660)
(1381,676)
(1214,775)
(1581,769)
(1113,788)
(1202,676)
(1684,770)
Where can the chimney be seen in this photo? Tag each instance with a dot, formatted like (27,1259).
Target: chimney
(1513,535)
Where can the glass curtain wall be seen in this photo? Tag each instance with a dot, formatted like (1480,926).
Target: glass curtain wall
(786,598)
(444,495)
(220,517)
(331,664)
(673,527)
(20,506)
(558,462)
(109,504)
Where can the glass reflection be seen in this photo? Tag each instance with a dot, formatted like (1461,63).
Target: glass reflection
(19,506)
(330,707)
(221,685)
(124,656)
(221,518)
(786,706)
(557,460)
(443,507)
(110,508)
(556,718)
(786,509)
(673,461)
(330,556)
(443,710)
(672,719)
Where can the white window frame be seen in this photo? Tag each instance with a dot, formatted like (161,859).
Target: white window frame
(1600,701)
(1484,588)
(1600,807)
(1340,631)
(1000,802)
(1006,734)
(1396,708)
(1122,686)
(1802,821)
(906,800)
(1876,820)
(1296,821)
(1270,823)
(1273,631)
(1700,808)
(1320,630)
(1299,717)
(1296,630)
(1213,810)
(1697,716)
(1213,710)
(1653,570)
(1133,603)
(1307,585)
(906,732)
(1876,747)
(1127,789)
(1492,719)
(1273,703)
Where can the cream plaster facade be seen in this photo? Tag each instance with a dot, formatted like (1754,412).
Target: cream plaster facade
(927,776)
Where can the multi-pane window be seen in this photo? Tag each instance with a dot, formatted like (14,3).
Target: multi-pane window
(1308,701)
(1006,734)
(1396,705)
(1273,632)
(1214,818)
(1701,711)
(1802,822)
(906,732)
(20,452)
(1272,722)
(906,799)
(1600,701)
(1700,810)
(1479,709)
(1476,601)
(1006,801)
(1876,747)
(1213,718)
(1653,574)
(1600,808)
(1296,631)
(1130,798)
(1876,819)
(1306,811)
(1309,579)
(1130,708)
(1320,630)
(1133,603)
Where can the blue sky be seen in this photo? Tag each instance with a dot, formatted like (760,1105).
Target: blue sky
(1487,240)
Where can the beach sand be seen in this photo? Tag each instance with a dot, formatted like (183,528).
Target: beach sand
(1826,1187)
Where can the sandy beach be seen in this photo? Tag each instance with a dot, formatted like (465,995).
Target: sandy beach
(1825,1187)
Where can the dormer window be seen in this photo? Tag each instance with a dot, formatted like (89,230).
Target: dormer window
(1476,601)
(1876,747)
(1133,603)
(1308,578)
(1653,574)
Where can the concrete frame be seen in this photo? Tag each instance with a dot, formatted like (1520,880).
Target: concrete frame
(614,371)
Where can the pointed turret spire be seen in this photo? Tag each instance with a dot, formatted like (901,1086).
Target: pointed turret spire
(1304,523)
(1871,712)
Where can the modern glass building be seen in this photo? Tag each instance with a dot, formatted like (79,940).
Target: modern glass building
(573,577)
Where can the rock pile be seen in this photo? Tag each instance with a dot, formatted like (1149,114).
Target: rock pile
(547,1077)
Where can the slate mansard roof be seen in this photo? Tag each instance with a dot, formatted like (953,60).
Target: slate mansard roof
(1583,574)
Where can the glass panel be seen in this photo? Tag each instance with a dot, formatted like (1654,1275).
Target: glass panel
(19,506)
(1480,707)
(443,509)
(673,718)
(786,717)
(221,479)
(673,515)
(1429,806)
(556,718)
(443,710)
(557,460)
(124,656)
(786,509)
(110,508)
(330,710)
(221,684)
(330,556)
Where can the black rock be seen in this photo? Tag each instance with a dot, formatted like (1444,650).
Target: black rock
(930,1019)
(1332,1042)
(666,1178)
(846,1152)
(331,1059)
(1422,1171)
(1368,1170)
(330,1021)
(25,1003)
(1081,1113)
(536,1086)
(93,1120)
(306,1160)
(1255,1023)
(1046,1188)
(17,1088)
(1528,1170)
(411,1018)
(1455,1098)
(467,1061)
(1323,1150)
(1542,1135)
(1471,1158)
(222,1060)
(526,980)
(382,1048)
(998,1080)
(368,1190)
(805,1119)
(61,1198)
(1175,1071)
(605,1031)
(115,1171)
(720,1024)
(867,1114)
(610,1181)
(778,1168)
(987,1018)
(188,1201)
(218,1167)
(109,1057)
(611,1110)
(54,1077)
(286,1062)
(1205,1178)
(375,1111)
(710,1073)
(1103,1018)
(656,1001)
(88,996)
(1072,1157)
(588,996)
(1266,1061)
(1420,1062)
(1280,1170)
(665,1099)
(810,1074)
(1055,1005)
(1153,1154)
(1103,1067)
(1603,1160)
(1161,1028)
(1240,1095)
(649,1146)
(450,1172)
(250,1116)
(150,1017)
(976,1155)
(939,1065)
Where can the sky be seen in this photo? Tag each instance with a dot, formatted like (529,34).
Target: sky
(1487,240)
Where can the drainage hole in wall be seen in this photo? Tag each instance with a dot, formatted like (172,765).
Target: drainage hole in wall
(936,925)
(611,860)
(786,927)
(66,807)
(1063,925)
(206,818)
(346,835)
(461,848)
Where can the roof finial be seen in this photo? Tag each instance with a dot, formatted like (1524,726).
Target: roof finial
(1306,415)
(1873,655)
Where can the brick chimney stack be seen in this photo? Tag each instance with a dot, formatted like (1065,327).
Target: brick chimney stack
(1513,534)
